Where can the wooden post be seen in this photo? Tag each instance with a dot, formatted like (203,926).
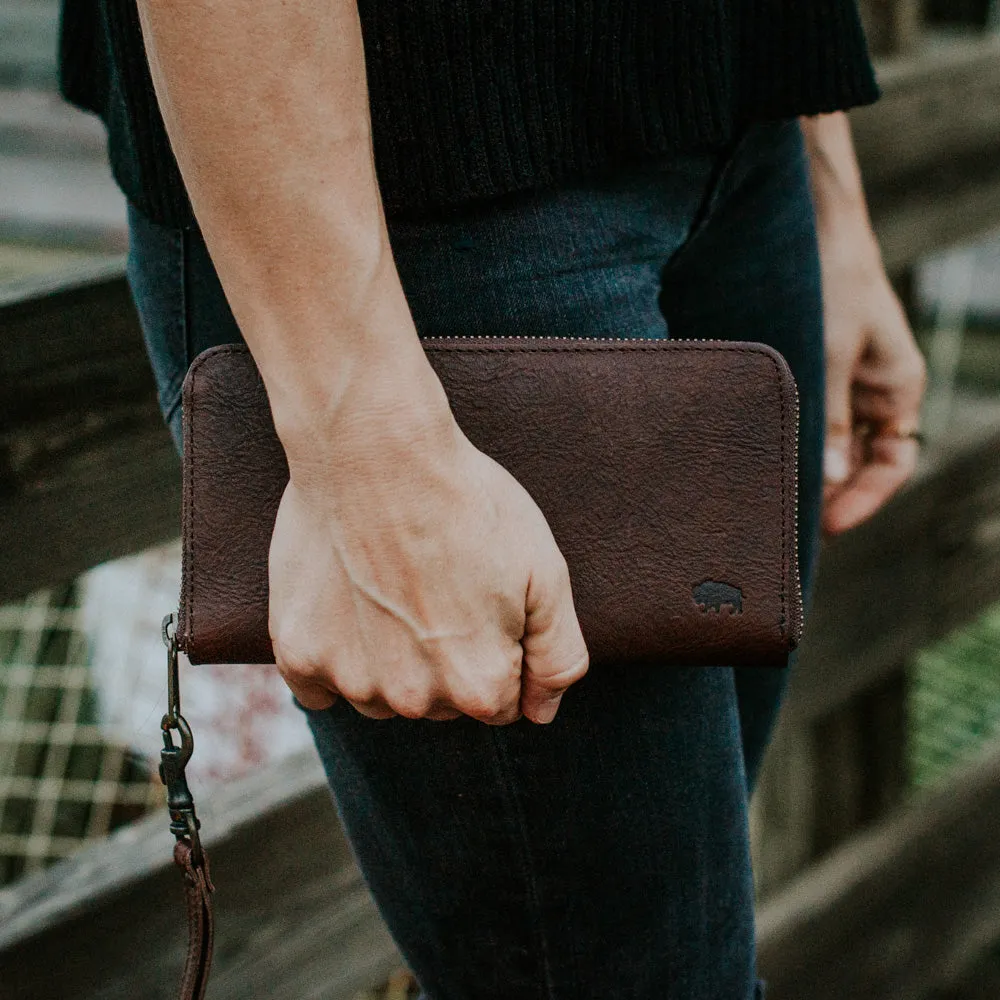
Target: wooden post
(970,12)
(782,816)
(893,26)
(838,778)
(902,910)
(883,715)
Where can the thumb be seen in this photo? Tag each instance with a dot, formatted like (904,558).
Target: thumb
(839,418)
(555,654)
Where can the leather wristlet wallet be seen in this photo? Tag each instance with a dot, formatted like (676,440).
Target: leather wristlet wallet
(666,470)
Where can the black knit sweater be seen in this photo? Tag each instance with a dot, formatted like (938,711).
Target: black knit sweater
(476,98)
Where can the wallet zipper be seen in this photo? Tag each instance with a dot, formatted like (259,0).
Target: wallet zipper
(798,612)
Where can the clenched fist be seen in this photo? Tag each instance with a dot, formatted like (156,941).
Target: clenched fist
(412,575)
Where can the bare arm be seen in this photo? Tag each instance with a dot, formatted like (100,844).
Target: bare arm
(266,107)
(875,374)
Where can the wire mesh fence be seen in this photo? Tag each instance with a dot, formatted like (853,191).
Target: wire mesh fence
(955,699)
(62,782)
(70,771)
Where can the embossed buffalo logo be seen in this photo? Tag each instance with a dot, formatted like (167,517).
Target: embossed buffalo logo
(714,596)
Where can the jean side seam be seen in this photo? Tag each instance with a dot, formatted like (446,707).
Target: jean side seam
(506,780)
(160,316)
(713,195)
(184,260)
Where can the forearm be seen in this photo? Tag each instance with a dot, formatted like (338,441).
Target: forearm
(266,107)
(838,192)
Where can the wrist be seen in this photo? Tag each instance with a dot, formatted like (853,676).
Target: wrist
(847,240)
(835,179)
(368,410)
(333,360)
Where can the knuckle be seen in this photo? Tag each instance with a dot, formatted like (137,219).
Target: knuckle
(560,570)
(504,718)
(914,368)
(357,690)
(911,369)
(483,705)
(581,666)
(840,355)
(410,704)
(570,670)
(409,692)
(374,710)
(293,662)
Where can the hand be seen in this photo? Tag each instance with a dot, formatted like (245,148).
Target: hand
(412,575)
(875,379)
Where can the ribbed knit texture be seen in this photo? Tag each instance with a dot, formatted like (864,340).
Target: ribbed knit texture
(476,98)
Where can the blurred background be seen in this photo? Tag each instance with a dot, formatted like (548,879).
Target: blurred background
(877,826)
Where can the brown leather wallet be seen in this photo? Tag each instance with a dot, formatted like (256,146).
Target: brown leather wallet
(666,470)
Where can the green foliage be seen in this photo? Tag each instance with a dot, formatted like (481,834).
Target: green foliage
(955,699)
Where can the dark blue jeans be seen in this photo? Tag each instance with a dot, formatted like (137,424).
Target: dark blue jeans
(605,856)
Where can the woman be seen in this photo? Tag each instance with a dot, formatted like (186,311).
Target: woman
(643,168)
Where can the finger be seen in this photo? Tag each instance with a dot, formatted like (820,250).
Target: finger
(856,452)
(891,379)
(488,690)
(443,714)
(555,654)
(839,417)
(375,709)
(363,694)
(892,461)
(892,375)
(310,694)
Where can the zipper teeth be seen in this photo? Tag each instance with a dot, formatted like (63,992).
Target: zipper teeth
(587,340)
(798,622)
(799,611)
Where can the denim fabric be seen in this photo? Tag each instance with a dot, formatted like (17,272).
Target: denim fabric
(606,855)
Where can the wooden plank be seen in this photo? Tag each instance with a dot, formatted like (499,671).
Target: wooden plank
(87,469)
(938,104)
(294,919)
(87,472)
(885,729)
(981,982)
(974,12)
(928,563)
(783,810)
(956,202)
(892,26)
(859,762)
(930,148)
(898,911)
(826,779)
(839,778)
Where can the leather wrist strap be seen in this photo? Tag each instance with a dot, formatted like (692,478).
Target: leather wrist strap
(189,855)
(198,890)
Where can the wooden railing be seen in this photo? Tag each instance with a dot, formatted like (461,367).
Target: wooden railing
(915,895)
(863,895)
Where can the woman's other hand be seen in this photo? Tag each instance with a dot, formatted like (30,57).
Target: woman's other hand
(875,373)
